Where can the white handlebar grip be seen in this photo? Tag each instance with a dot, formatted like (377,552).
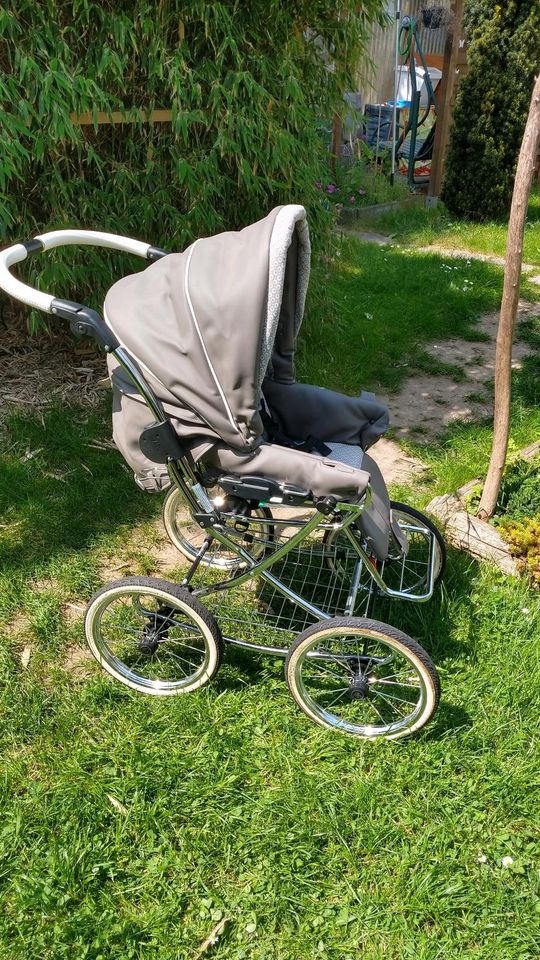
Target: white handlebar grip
(16,288)
(58,238)
(93,238)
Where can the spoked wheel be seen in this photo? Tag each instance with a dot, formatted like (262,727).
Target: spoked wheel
(188,537)
(362,677)
(153,636)
(411,522)
(409,573)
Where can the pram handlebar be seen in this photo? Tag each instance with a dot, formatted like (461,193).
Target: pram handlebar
(60,238)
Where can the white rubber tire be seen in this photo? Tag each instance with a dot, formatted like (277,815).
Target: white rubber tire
(395,639)
(177,597)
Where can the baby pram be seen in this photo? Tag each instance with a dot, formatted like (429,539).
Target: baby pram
(284,519)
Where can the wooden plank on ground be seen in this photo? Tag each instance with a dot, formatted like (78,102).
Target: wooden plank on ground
(477,537)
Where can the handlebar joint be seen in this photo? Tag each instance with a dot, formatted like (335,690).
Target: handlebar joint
(85,322)
(156,253)
(34,245)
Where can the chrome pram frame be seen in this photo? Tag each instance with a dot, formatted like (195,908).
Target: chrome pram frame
(343,516)
(338,516)
(301,536)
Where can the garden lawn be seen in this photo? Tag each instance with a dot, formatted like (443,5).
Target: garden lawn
(383,305)
(133,827)
(423,227)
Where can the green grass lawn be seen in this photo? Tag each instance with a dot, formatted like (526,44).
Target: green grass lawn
(131,827)
(423,227)
(386,304)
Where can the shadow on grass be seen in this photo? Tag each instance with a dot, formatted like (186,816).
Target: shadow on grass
(58,491)
(241,668)
(449,718)
(526,380)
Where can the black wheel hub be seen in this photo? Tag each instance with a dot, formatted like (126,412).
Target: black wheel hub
(153,633)
(359,687)
(149,641)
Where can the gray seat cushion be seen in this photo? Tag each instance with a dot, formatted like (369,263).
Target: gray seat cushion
(348,453)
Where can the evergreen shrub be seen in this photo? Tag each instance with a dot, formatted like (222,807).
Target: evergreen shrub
(491,107)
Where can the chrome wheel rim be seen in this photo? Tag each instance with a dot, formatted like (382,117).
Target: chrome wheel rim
(361,683)
(408,574)
(149,639)
(188,537)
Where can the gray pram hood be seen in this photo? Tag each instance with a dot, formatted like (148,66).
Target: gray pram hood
(212,328)
(203,323)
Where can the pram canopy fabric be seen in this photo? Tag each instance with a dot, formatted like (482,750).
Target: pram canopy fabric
(212,324)
(204,322)
(214,331)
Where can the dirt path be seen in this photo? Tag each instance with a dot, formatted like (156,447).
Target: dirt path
(456,253)
(396,466)
(427,404)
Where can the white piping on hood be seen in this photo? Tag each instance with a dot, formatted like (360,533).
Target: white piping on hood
(215,377)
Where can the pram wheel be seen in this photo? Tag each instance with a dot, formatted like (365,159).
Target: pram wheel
(153,636)
(405,573)
(362,677)
(408,517)
(188,537)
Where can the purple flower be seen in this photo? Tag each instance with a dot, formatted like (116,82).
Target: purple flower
(361,192)
(352,199)
(331,188)
(318,184)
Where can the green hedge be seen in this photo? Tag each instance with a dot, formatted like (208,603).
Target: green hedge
(491,106)
(246,81)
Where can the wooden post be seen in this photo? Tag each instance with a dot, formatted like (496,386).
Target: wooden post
(509,305)
(453,69)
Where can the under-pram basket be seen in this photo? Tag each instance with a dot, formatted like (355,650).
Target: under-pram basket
(282,520)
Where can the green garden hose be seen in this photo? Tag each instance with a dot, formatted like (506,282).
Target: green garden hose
(407,28)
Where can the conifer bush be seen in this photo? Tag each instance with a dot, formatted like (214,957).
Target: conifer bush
(246,82)
(491,106)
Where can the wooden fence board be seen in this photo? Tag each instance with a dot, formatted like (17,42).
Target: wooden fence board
(117,116)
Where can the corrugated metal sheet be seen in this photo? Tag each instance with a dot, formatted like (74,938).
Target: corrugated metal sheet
(376,79)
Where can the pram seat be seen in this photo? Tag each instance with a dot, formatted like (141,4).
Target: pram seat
(331,475)
(214,330)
